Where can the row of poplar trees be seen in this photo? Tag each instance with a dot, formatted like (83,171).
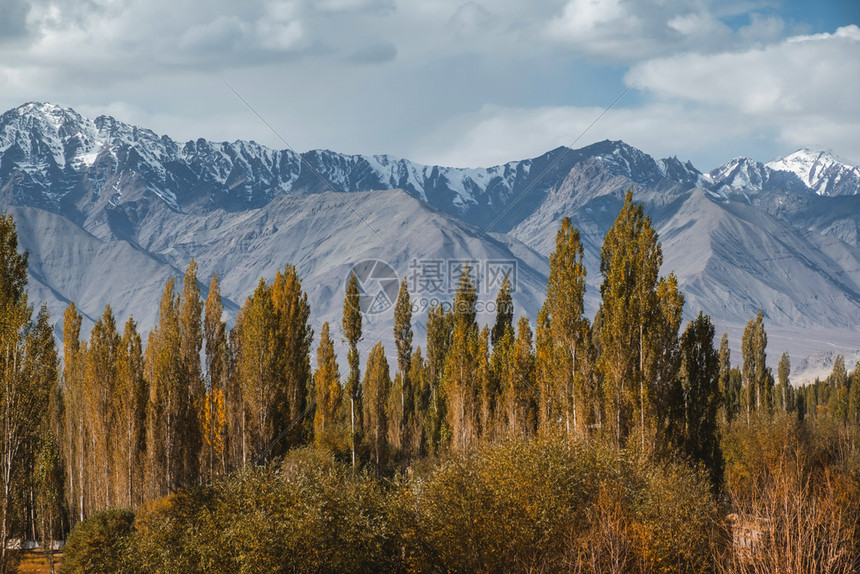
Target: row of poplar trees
(128,422)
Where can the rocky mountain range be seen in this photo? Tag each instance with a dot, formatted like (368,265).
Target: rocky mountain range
(109,211)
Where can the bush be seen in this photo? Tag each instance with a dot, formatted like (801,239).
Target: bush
(546,507)
(800,481)
(101,543)
(310,514)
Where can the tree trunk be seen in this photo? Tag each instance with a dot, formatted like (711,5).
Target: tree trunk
(352,426)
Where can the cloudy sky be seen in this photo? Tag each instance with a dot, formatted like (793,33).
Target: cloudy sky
(452,82)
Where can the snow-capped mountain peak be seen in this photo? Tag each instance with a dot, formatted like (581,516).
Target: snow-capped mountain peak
(61,160)
(821,170)
(739,174)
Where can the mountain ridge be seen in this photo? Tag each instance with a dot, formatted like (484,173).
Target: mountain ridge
(738,237)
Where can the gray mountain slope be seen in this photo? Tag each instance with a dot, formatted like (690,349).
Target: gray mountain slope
(324,236)
(731,259)
(68,264)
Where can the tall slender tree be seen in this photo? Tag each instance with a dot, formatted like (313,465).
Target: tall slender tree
(377,387)
(563,310)
(257,371)
(729,408)
(633,330)
(294,338)
(24,393)
(190,345)
(351,328)
(518,388)
(459,385)
(854,396)
(784,394)
(167,398)
(696,432)
(440,330)
(401,406)
(504,310)
(100,389)
(755,373)
(217,372)
(130,413)
(74,429)
(327,424)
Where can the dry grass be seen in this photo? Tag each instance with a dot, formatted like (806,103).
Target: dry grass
(35,562)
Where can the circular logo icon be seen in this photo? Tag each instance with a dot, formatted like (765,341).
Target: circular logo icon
(377,284)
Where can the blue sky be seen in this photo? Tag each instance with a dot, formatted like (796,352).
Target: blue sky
(452,82)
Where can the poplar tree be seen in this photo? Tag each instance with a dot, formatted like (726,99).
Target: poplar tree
(838,375)
(783,390)
(637,315)
(273,363)
(24,357)
(730,404)
(562,330)
(190,345)
(421,402)
(854,396)
(403,328)
(257,371)
(327,427)
(518,383)
(48,479)
(294,339)
(440,330)
(501,366)
(504,310)
(377,386)
(100,389)
(401,406)
(130,413)
(74,429)
(217,371)
(754,370)
(697,433)
(351,328)
(167,397)
(459,388)
(486,385)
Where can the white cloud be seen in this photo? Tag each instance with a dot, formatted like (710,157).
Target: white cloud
(449,81)
(633,30)
(804,87)
(499,134)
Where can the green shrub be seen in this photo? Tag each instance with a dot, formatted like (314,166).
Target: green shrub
(101,543)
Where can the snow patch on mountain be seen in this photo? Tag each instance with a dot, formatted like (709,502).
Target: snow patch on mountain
(821,170)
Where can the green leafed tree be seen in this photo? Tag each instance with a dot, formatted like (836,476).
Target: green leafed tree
(167,403)
(854,396)
(328,429)
(214,416)
(637,315)
(377,387)
(459,382)
(784,393)
(402,407)
(440,330)
(562,331)
(27,373)
(693,429)
(351,328)
(757,392)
